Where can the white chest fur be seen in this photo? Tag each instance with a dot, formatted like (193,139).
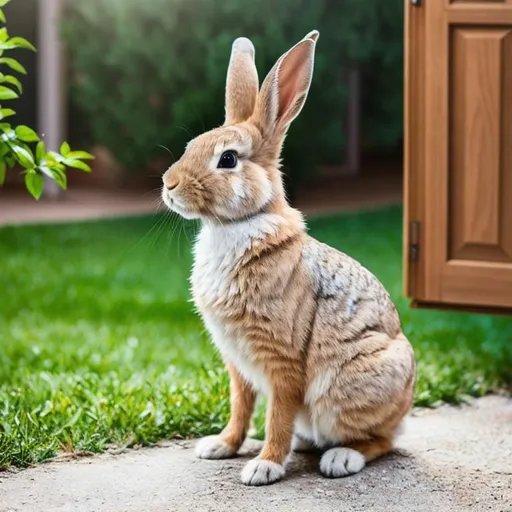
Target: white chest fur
(217,253)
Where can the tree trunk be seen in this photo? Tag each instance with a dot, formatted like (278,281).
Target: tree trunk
(51,92)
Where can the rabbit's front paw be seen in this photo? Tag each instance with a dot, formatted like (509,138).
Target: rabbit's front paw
(338,462)
(262,472)
(214,447)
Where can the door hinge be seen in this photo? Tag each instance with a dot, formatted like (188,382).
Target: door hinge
(416,3)
(414,240)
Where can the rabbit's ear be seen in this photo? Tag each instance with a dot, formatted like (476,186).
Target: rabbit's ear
(242,82)
(284,91)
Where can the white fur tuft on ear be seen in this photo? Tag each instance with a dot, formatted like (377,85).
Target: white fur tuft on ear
(242,44)
(242,82)
(313,35)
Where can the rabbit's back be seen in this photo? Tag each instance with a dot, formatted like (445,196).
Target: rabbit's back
(350,299)
(360,367)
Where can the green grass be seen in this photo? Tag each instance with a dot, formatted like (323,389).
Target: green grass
(99,344)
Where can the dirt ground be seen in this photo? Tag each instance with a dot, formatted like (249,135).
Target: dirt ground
(450,459)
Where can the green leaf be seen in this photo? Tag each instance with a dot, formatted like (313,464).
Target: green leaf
(3,3)
(7,94)
(13,64)
(3,34)
(3,172)
(2,16)
(12,80)
(40,151)
(64,149)
(55,156)
(10,160)
(34,182)
(45,170)
(23,155)
(6,112)
(26,134)
(8,133)
(55,172)
(82,155)
(20,42)
(77,164)
(60,177)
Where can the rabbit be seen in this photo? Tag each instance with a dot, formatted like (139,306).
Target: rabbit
(291,317)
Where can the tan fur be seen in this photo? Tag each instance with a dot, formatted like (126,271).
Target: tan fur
(291,316)
(242,405)
(374,448)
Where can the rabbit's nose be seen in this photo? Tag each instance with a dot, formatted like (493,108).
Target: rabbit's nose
(171,184)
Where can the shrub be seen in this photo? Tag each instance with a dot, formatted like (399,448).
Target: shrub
(16,142)
(150,73)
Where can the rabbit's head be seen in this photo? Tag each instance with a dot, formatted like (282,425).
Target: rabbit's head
(232,172)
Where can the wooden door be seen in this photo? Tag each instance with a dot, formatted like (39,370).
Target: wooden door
(458,153)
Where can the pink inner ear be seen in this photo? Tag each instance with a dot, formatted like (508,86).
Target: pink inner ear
(293,77)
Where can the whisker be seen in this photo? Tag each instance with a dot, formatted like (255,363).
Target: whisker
(201,120)
(221,224)
(187,130)
(186,234)
(169,236)
(151,191)
(161,229)
(169,151)
(157,223)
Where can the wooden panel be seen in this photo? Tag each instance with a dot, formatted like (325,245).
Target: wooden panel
(477,1)
(477,283)
(414,157)
(459,153)
(479,14)
(436,147)
(478,202)
(488,310)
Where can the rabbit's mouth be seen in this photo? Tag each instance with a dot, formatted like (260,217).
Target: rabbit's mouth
(179,207)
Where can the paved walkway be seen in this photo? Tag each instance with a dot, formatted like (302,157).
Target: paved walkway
(17,207)
(449,460)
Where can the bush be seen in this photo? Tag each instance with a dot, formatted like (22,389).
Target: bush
(150,73)
(20,145)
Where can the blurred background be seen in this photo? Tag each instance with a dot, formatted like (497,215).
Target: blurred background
(100,348)
(140,76)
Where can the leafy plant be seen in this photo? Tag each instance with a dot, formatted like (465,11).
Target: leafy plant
(20,145)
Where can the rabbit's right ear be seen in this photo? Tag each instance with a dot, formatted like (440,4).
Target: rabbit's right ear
(242,82)
(284,90)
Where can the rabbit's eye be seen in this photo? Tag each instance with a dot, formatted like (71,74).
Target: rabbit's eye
(228,160)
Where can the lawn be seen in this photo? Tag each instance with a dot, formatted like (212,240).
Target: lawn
(99,344)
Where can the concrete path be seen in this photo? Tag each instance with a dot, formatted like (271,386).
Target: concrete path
(449,460)
(75,205)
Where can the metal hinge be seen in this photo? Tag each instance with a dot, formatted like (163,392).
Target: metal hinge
(414,240)
(416,3)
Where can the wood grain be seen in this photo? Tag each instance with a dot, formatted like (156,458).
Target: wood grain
(477,198)
(480,14)
(459,164)
(414,148)
(477,1)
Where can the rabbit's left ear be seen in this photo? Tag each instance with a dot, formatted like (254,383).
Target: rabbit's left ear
(242,82)
(285,89)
